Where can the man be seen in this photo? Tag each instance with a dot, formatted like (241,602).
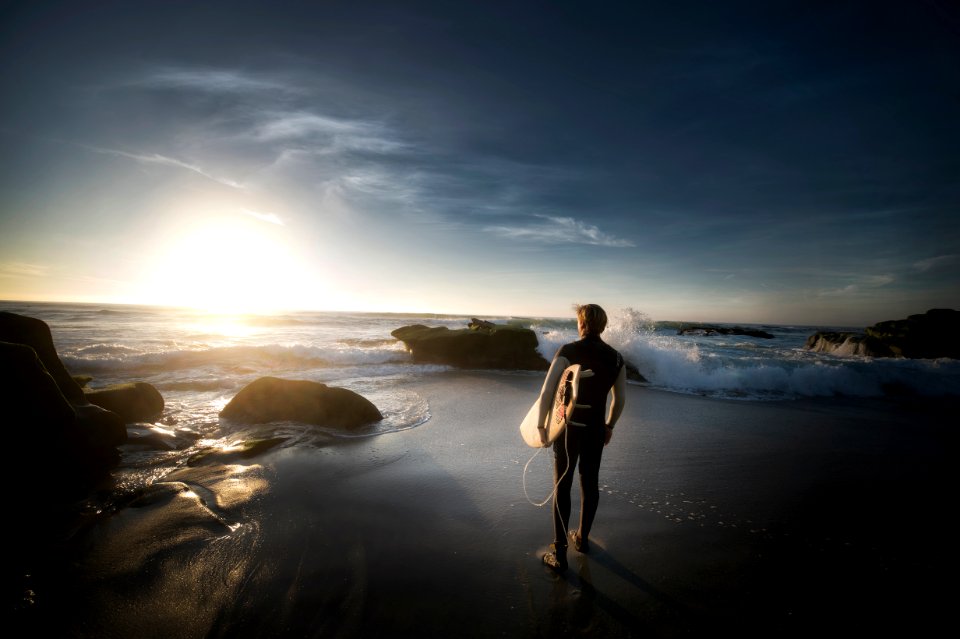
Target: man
(583,442)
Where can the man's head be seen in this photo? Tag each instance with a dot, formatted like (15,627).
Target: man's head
(591,319)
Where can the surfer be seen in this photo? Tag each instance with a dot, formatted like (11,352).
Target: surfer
(584,440)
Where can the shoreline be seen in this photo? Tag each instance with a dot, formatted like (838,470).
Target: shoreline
(761,518)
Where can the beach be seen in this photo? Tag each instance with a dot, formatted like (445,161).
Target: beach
(782,518)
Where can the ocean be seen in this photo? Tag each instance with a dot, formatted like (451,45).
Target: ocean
(198,361)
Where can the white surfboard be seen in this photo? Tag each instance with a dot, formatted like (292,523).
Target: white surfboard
(561,413)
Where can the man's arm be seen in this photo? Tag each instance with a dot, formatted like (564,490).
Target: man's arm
(619,391)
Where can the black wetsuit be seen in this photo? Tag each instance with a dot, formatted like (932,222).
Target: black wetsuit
(584,443)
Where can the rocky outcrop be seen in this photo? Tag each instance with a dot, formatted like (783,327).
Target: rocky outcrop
(929,335)
(19,329)
(45,410)
(136,402)
(723,330)
(32,402)
(846,344)
(479,323)
(500,347)
(270,399)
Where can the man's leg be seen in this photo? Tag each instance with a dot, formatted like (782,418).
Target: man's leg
(591,451)
(565,452)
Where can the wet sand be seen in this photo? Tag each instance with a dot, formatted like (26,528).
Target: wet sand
(823,517)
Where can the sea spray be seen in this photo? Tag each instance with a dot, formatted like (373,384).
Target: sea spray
(749,368)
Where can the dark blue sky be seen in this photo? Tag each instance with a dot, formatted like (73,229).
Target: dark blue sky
(728,161)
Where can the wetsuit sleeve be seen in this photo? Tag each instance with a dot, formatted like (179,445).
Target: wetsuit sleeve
(619,391)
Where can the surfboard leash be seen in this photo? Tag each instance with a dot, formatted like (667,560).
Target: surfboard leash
(556,485)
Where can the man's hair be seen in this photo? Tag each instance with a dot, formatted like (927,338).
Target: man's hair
(593,317)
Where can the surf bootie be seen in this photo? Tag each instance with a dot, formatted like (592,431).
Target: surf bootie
(579,542)
(556,559)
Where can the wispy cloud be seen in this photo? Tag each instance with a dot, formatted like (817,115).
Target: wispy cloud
(302,124)
(266,114)
(272,218)
(329,133)
(211,81)
(22,269)
(861,285)
(156,158)
(559,230)
(935,263)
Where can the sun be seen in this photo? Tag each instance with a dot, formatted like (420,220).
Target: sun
(229,264)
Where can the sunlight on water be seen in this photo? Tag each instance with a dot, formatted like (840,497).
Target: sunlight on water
(235,326)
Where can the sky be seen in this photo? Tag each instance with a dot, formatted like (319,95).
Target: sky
(751,162)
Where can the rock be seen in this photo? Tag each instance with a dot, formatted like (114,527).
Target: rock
(100,424)
(270,399)
(930,335)
(19,329)
(135,402)
(479,323)
(74,445)
(87,437)
(723,330)
(153,437)
(634,374)
(503,347)
(846,344)
(241,451)
(32,402)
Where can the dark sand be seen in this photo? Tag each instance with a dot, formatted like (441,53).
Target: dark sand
(806,518)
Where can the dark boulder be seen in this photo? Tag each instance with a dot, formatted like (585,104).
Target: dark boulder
(846,344)
(91,430)
(135,402)
(77,443)
(270,399)
(723,330)
(634,374)
(479,323)
(31,399)
(929,335)
(501,347)
(20,329)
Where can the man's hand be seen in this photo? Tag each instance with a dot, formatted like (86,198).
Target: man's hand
(607,434)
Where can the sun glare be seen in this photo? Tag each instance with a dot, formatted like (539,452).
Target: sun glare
(228,265)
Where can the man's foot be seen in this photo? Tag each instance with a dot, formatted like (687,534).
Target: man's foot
(556,559)
(579,542)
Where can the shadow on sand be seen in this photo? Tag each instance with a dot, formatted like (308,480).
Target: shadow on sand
(615,601)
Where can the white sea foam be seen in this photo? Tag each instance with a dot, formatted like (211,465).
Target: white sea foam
(186,351)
